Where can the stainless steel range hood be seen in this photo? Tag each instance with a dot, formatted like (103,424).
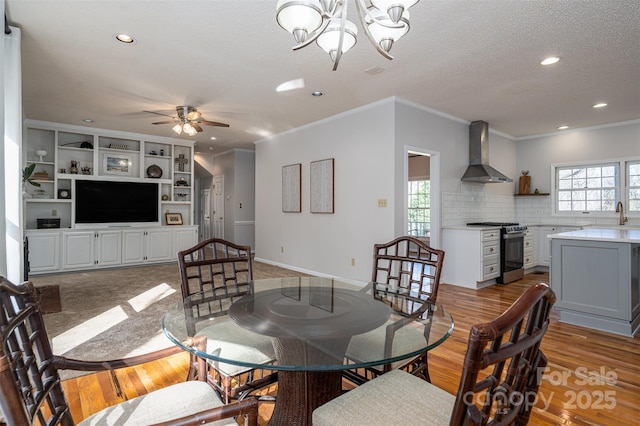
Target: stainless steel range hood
(479,169)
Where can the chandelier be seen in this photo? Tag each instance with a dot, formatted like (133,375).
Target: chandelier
(326,23)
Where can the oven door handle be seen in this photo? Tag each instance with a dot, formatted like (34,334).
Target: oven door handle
(514,235)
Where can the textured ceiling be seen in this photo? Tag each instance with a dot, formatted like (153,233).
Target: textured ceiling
(475,60)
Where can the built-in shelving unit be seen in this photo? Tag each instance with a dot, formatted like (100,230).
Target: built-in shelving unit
(75,153)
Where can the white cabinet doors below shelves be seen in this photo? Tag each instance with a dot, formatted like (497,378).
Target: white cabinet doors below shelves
(44,251)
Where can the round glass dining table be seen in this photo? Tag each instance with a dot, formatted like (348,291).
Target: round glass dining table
(318,327)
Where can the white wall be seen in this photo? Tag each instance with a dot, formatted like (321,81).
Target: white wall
(369,147)
(601,143)
(361,142)
(11,259)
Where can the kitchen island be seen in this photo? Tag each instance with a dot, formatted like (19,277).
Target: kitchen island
(595,274)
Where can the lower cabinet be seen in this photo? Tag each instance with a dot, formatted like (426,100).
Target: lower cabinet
(147,245)
(472,256)
(44,251)
(90,249)
(86,249)
(530,258)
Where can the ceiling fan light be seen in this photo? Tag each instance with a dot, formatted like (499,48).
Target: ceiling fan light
(330,37)
(177,128)
(193,114)
(187,128)
(299,17)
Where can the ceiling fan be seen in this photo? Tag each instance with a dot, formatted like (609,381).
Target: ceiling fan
(188,120)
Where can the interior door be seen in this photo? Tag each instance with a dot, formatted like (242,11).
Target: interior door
(218,207)
(205,214)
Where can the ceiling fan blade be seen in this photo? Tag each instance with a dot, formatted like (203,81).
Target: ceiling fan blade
(158,113)
(212,123)
(195,126)
(165,122)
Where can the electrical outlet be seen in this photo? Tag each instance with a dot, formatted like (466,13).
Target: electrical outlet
(281,249)
(54,212)
(353,261)
(382,202)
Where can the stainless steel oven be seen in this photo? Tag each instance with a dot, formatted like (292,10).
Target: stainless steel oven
(511,253)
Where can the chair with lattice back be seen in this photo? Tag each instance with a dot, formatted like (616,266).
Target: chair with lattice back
(498,386)
(31,391)
(215,273)
(406,266)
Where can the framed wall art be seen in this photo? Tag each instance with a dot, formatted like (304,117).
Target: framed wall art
(117,164)
(173,218)
(292,188)
(321,174)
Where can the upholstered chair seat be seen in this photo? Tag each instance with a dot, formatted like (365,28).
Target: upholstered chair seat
(165,404)
(420,403)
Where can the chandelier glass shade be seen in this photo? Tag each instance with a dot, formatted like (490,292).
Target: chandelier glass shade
(326,23)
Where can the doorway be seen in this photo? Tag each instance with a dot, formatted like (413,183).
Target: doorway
(422,195)
(205,214)
(218,207)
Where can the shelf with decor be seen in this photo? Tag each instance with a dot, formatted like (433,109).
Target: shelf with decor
(65,155)
(541,194)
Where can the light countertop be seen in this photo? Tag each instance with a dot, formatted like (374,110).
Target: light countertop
(631,235)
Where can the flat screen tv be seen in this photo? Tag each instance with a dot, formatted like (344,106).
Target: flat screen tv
(115,202)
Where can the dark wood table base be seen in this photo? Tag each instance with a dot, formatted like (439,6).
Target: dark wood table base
(301,392)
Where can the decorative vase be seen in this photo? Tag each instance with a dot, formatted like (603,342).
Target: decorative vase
(25,194)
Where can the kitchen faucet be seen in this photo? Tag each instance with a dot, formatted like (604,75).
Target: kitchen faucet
(620,209)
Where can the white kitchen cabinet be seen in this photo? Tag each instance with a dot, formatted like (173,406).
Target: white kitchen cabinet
(472,256)
(531,248)
(544,243)
(44,251)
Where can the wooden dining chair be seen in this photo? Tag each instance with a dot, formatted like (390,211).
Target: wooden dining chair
(409,267)
(221,272)
(31,391)
(498,386)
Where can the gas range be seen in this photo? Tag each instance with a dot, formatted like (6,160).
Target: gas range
(507,227)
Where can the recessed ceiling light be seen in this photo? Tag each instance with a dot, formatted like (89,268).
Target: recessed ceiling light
(317,93)
(550,60)
(211,148)
(88,120)
(213,138)
(600,105)
(124,38)
(563,127)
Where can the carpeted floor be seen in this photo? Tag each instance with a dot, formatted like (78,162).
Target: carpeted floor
(114,313)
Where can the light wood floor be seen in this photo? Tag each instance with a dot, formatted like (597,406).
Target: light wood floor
(593,377)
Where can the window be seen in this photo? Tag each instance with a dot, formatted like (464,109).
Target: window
(633,185)
(597,187)
(419,202)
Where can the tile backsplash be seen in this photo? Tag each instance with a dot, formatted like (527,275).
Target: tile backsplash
(474,205)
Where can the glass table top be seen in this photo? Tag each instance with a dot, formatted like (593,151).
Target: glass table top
(322,320)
